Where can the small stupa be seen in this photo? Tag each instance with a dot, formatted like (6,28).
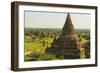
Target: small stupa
(68,44)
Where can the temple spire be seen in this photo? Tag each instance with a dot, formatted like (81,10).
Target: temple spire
(68,28)
(67,45)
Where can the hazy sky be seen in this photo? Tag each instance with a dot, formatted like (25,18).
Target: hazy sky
(55,20)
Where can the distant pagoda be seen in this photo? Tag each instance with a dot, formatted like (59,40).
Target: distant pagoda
(68,44)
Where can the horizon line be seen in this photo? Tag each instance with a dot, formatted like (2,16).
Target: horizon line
(52,28)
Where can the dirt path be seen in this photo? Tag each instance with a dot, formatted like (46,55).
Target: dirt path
(29,52)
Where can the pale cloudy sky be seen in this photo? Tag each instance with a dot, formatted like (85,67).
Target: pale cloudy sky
(55,20)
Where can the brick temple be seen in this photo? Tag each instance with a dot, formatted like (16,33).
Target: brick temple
(68,45)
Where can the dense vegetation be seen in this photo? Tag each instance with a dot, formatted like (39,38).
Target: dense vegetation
(37,40)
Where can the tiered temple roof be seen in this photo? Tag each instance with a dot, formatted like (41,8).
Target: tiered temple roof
(68,44)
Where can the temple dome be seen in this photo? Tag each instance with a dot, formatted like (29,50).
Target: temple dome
(68,28)
(68,43)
